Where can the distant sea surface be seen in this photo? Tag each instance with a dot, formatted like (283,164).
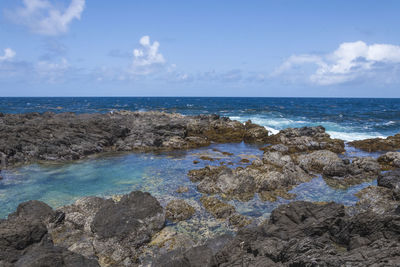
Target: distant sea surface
(344,118)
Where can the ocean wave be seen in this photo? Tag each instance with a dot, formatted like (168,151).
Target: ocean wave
(346,136)
(335,130)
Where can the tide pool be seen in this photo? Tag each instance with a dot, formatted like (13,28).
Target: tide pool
(158,173)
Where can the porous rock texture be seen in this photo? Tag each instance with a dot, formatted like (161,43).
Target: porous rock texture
(304,234)
(391,143)
(30,137)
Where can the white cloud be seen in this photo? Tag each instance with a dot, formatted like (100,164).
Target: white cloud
(147,58)
(348,62)
(8,54)
(43,17)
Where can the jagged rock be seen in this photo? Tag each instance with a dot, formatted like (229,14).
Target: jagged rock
(24,240)
(391,180)
(390,160)
(134,219)
(25,138)
(178,210)
(376,199)
(307,234)
(305,139)
(317,160)
(390,143)
(254,133)
(343,173)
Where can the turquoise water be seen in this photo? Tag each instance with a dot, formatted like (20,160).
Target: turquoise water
(160,174)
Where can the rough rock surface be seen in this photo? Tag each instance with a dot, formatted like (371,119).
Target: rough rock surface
(391,180)
(24,239)
(222,210)
(178,210)
(390,160)
(112,231)
(25,138)
(343,173)
(390,143)
(306,139)
(307,234)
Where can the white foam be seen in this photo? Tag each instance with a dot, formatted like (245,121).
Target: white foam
(353,136)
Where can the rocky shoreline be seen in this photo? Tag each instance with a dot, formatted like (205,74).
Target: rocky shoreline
(131,230)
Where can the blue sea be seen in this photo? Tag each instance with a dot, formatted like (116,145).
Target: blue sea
(162,173)
(345,118)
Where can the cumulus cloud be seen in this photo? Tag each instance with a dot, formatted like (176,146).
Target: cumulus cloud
(8,54)
(147,58)
(350,61)
(43,17)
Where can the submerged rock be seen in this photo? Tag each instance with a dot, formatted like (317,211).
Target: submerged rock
(178,210)
(222,210)
(390,143)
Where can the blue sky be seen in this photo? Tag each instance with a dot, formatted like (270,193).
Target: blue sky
(199,48)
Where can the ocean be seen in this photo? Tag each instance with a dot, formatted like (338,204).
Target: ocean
(344,118)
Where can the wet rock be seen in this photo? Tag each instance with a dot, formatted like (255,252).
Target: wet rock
(216,207)
(178,210)
(34,210)
(222,210)
(182,189)
(26,138)
(390,160)
(306,139)
(391,143)
(255,133)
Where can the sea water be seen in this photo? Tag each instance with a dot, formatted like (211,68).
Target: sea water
(162,173)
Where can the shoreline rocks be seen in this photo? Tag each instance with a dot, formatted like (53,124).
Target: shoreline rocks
(26,138)
(391,143)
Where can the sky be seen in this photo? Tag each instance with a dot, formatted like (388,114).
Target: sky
(313,48)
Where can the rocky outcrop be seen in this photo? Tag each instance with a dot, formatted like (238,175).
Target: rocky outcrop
(343,173)
(112,231)
(305,139)
(391,180)
(24,239)
(25,138)
(391,143)
(390,160)
(307,234)
(178,210)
